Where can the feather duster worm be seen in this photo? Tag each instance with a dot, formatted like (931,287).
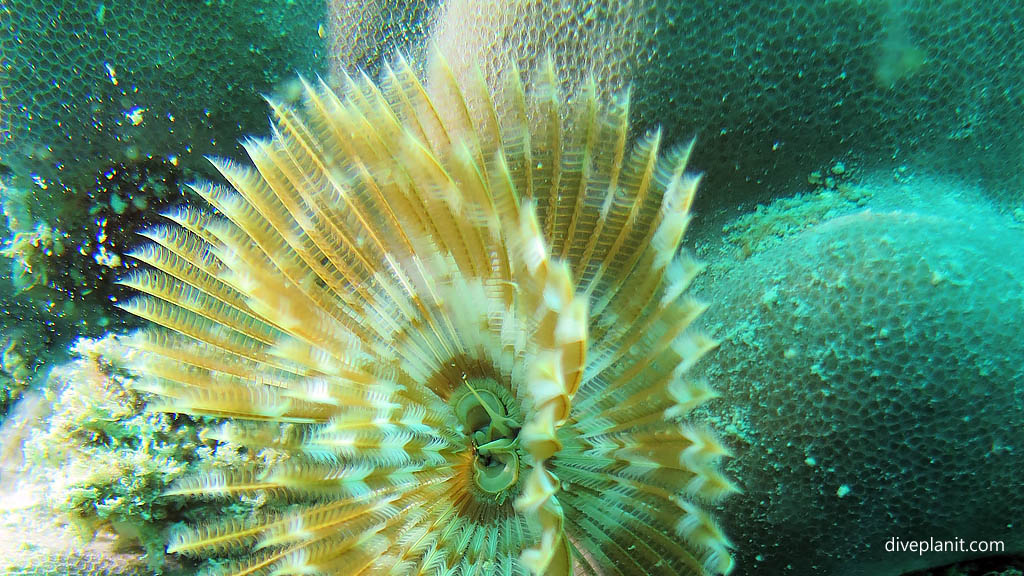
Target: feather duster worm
(462,327)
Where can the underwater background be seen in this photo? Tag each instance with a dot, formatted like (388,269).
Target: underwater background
(860,220)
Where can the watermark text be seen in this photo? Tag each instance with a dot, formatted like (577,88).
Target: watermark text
(922,547)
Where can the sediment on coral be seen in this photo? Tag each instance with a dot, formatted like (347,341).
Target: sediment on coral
(87,85)
(871,373)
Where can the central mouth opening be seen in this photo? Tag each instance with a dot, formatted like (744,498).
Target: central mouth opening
(488,415)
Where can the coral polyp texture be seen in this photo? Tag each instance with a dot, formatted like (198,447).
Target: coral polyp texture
(777,89)
(872,386)
(91,84)
(364,34)
(464,335)
(104,107)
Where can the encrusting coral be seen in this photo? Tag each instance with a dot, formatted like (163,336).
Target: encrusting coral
(464,332)
(104,106)
(775,89)
(871,371)
(84,469)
